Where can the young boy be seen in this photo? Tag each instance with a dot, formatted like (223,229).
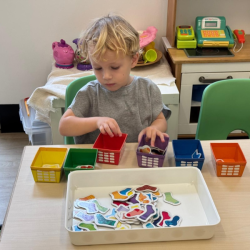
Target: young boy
(116,102)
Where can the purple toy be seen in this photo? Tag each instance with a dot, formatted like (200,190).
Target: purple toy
(63,55)
(81,62)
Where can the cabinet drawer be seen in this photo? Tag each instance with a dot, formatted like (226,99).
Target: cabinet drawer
(194,78)
(216,67)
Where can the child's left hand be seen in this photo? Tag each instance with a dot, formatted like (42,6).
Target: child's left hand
(151,133)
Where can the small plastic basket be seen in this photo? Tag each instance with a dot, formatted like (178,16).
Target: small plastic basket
(183,153)
(110,149)
(78,157)
(149,160)
(228,159)
(48,156)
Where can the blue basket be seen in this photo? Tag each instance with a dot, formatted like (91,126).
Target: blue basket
(183,153)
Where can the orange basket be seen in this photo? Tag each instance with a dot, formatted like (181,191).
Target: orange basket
(228,159)
(110,149)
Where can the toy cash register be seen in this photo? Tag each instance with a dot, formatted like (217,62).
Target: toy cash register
(185,37)
(213,32)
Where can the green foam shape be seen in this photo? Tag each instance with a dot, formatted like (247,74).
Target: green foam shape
(99,207)
(170,199)
(88,226)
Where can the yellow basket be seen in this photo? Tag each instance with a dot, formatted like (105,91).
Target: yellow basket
(54,159)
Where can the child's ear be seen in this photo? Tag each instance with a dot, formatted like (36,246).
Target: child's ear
(134,60)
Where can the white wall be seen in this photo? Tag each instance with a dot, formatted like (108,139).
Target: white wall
(29,27)
(237,12)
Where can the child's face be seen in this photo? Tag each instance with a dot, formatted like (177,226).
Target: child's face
(113,70)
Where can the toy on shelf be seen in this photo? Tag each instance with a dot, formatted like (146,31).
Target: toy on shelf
(147,44)
(63,55)
(82,63)
(147,36)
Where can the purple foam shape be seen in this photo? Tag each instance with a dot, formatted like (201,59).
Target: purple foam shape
(85,217)
(89,206)
(149,212)
(133,199)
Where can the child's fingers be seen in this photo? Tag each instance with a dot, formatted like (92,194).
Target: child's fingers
(153,135)
(102,130)
(115,128)
(161,135)
(108,130)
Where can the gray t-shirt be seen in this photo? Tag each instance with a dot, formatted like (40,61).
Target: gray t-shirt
(134,107)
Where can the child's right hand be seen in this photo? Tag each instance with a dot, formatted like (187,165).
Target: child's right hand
(108,126)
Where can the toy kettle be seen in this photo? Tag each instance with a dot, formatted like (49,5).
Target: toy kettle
(63,55)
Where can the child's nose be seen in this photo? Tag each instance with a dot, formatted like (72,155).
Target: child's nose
(107,75)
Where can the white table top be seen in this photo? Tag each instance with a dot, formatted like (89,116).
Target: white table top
(35,217)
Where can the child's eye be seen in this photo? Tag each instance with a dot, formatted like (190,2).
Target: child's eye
(115,68)
(98,68)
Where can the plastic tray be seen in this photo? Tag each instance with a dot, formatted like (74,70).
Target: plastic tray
(150,160)
(228,159)
(197,210)
(48,156)
(183,150)
(79,156)
(110,149)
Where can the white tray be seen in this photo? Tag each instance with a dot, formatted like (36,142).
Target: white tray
(197,210)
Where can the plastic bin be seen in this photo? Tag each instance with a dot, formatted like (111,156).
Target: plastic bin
(197,209)
(228,159)
(51,156)
(198,92)
(39,132)
(79,156)
(183,151)
(110,149)
(149,160)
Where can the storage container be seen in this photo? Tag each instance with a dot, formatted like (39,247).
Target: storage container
(47,164)
(39,132)
(151,160)
(228,159)
(197,209)
(185,151)
(110,149)
(79,156)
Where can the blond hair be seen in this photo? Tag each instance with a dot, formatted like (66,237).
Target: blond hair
(110,32)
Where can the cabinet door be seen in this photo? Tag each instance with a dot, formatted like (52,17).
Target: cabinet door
(189,106)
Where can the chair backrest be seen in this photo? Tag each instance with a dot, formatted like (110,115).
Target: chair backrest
(71,91)
(225,107)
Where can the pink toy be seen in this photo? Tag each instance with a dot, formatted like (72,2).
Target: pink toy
(63,54)
(147,36)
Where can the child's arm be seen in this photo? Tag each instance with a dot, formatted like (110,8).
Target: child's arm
(70,125)
(158,127)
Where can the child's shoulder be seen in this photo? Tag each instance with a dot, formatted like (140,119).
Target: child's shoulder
(92,85)
(146,83)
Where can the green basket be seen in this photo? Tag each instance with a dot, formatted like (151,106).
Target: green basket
(79,156)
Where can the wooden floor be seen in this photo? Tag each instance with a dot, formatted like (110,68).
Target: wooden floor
(11,148)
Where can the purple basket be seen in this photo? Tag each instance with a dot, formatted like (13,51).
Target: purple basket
(148,160)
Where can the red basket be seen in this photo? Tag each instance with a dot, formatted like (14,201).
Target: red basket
(110,149)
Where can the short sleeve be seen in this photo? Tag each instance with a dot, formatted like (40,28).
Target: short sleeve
(81,104)
(156,102)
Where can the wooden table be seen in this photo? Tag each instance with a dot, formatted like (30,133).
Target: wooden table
(35,217)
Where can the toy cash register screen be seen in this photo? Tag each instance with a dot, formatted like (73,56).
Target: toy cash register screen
(208,24)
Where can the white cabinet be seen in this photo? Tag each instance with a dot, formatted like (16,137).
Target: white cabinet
(203,74)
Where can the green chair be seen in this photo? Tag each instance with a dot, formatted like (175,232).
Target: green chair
(71,91)
(225,107)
